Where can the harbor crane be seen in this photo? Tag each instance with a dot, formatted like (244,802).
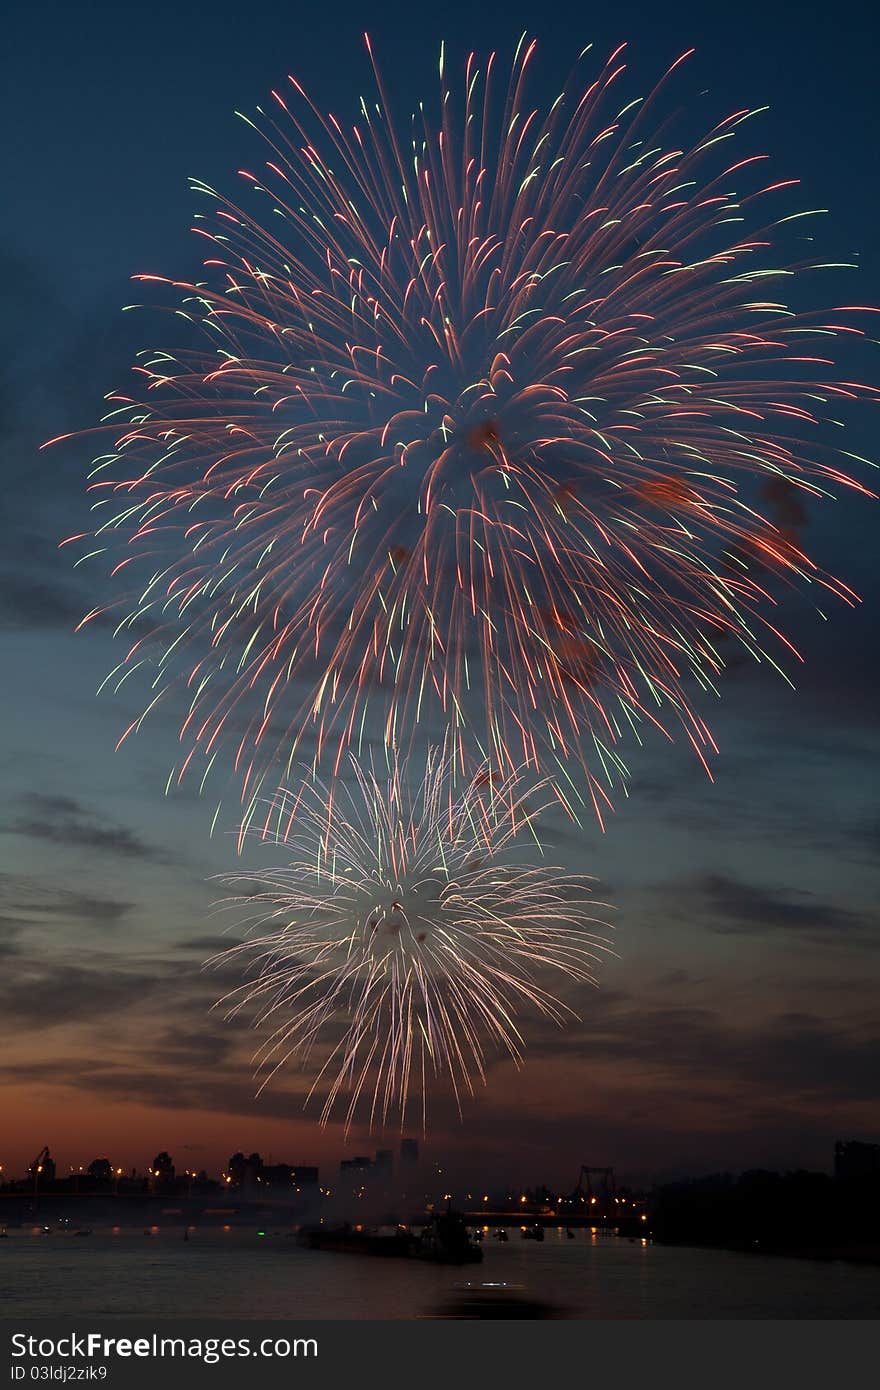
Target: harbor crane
(37,1165)
(584,1190)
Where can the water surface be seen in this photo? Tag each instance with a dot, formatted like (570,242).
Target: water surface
(236,1273)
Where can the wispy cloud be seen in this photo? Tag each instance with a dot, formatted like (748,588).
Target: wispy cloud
(45,995)
(62,820)
(735,905)
(29,601)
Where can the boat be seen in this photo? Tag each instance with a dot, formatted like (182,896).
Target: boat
(501,1234)
(444,1240)
(356,1240)
(535,1232)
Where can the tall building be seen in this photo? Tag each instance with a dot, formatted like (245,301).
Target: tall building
(359,1164)
(409,1153)
(245,1172)
(288,1175)
(854,1159)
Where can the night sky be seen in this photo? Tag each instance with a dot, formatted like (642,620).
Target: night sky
(738,1025)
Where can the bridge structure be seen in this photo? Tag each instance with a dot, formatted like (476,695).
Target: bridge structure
(595,1203)
(584,1191)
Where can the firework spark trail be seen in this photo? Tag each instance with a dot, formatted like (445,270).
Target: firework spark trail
(481,438)
(402,940)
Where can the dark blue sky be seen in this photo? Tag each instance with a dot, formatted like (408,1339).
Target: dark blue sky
(109,108)
(739,1024)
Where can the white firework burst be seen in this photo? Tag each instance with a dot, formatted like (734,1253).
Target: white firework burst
(401,941)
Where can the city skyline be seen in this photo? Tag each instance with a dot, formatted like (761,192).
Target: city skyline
(850,1158)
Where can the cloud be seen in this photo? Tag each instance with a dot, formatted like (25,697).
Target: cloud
(27,902)
(867,834)
(9,938)
(788,1057)
(196,1050)
(62,820)
(35,603)
(741,907)
(206,946)
(104,912)
(193,1091)
(47,995)
(215,1086)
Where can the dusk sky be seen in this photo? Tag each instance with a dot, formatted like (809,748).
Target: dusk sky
(738,1024)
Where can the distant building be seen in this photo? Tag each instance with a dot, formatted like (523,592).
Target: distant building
(277,1174)
(409,1152)
(359,1164)
(383,1163)
(355,1173)
(288,1175)
(853,1159)
(100,1169)
(245,1173)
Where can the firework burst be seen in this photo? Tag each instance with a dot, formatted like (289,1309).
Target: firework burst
(502,425)
(401,940)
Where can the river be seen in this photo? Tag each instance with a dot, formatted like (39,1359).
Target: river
(237,1273)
